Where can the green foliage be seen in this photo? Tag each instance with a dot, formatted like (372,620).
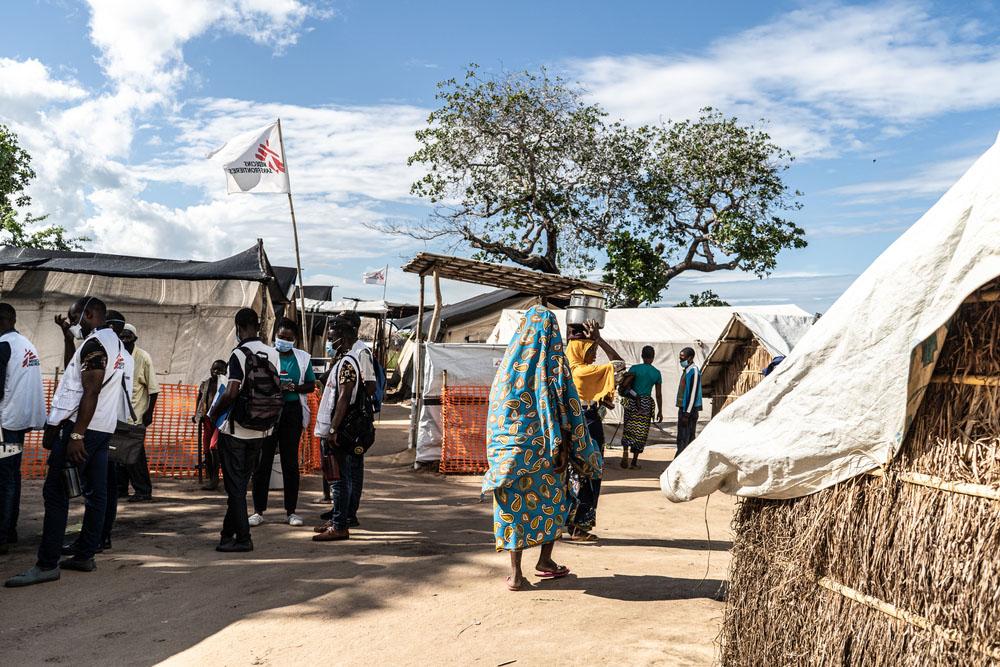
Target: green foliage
(521,168)
(15,176)
(704,300)
(510,162)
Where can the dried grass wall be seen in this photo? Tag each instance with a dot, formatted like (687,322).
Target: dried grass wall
(740,375)
(902,569)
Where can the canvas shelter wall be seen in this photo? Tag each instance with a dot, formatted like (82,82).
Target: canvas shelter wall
(479,329)
(183,324)
(466,364)
(842,401)
(667,330)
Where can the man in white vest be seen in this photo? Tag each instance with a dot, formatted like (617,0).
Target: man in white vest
(22,409)
(85,409)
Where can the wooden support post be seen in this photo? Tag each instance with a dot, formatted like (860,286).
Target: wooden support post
(435,328)
(418,371)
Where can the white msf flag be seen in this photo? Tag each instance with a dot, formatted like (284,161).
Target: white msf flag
(254,162)
(374,277)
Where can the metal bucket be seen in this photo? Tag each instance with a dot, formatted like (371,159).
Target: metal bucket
(586,305)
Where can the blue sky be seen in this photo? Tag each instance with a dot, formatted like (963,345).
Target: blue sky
(884,104)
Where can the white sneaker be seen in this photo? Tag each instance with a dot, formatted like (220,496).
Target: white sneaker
(256,519)
(295,520)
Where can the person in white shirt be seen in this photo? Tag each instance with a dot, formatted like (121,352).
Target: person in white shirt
(22,409)
(86,407)
(240,447)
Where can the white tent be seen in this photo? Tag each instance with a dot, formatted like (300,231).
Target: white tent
(183,310)
(668,330)
(840,403)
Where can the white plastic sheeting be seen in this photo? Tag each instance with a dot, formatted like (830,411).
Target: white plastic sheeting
(668,330)
(465,363)
(839,405)
(777,333)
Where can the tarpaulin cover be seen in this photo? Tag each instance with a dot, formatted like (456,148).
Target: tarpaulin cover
(466,364)
(840,403)
(778,334)
(667,330)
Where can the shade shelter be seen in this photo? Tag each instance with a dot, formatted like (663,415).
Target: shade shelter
(748,345)
(543,286)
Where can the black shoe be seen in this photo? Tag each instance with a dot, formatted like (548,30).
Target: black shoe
(353,523)
(105,545)
(78,564)
(235,547)
(137,498)
(213,485)
(223,543)
(326,516)
(72,548)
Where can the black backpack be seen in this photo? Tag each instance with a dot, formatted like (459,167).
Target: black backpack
(357,431)
(258,405)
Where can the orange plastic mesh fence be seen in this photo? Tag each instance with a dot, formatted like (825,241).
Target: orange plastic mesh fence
(172,438)
(464,409)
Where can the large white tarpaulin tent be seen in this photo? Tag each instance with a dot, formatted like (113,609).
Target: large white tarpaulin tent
(465,364)
(668,330)
(183,309)
(840,403)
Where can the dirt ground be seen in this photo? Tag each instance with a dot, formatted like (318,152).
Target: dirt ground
(418,584)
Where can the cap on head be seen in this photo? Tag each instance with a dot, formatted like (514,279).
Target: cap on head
(131,328)
(352,317)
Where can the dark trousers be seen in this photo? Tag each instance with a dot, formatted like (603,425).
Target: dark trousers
(285,440)
(10,497)
(94,480)
(585,513)
(685,433)
(239,460)
(138,474)
(111,512)
(346,491)
(211,456)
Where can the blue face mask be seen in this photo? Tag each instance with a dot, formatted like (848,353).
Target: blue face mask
(330,349)
(282,345)
(685,363)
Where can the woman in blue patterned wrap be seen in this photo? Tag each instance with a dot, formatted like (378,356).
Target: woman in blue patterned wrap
(535,430)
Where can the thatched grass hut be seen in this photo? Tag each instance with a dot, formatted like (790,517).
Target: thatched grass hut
(896,567)
(749,343)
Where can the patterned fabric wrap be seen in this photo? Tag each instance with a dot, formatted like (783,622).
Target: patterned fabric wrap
(638,416)
(533,403)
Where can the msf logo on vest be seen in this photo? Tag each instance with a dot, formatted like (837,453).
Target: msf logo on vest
(120,363)
(30,359)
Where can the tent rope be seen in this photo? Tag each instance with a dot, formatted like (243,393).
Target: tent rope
(932,482)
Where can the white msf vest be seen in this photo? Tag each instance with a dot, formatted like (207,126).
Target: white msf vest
(112,403)
(23,405)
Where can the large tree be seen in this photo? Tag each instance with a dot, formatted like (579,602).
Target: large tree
(511,164)
(15,176)
(709,192)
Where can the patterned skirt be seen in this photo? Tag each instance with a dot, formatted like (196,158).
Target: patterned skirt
(638,416)
(530,512)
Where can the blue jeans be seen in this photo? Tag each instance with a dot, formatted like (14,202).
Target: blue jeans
(10,488)
(584,515)
(94,480)
(346,491)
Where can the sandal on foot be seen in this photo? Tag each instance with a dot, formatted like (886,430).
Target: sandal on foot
(558,573)
(580,536)
(512,587)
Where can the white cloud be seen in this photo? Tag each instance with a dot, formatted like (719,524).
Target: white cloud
(822,75)
(930,180)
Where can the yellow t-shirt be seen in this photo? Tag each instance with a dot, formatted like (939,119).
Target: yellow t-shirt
(143,382)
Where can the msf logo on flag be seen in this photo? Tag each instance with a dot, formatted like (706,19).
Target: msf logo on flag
(269,157)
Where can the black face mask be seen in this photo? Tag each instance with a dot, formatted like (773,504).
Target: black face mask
(129,346)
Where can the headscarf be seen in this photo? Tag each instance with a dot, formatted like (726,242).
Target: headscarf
(593,381)
(532,404)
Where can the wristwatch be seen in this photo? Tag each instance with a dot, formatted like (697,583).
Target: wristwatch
(76,436)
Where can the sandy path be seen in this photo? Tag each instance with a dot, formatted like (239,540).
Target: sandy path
(419,583)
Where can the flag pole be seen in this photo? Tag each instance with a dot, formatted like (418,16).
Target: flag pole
(295,235)
(385,283)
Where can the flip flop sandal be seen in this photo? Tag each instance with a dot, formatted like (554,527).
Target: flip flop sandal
(513,588)
(552,574)
(581,537)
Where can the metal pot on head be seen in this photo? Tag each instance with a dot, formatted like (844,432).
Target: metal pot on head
(586,305)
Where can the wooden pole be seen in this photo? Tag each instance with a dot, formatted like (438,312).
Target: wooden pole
(295,235)
(418,371)
(435,327)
